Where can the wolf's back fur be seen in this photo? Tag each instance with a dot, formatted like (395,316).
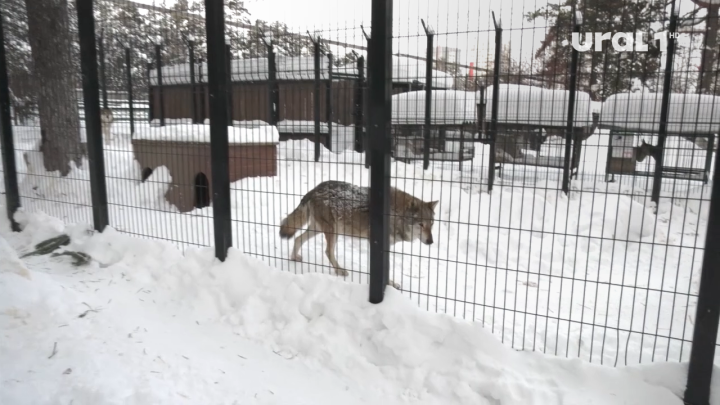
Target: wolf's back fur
(338,208)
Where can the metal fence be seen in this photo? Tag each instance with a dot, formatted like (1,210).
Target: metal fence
(561,198)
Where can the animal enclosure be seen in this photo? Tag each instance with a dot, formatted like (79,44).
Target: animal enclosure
(550,232)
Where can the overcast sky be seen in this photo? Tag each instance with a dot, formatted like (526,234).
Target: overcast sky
(463,24)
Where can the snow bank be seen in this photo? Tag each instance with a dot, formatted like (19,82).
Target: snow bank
(167,328)
(448,107)
(247,132)
(530,105)
(687,114)
(297,68)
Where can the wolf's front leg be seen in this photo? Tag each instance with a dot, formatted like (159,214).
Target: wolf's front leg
(390,282)
(394,284)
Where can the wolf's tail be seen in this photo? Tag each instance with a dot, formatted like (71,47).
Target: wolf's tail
(295,221)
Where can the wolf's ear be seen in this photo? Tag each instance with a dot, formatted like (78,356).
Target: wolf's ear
(433,204)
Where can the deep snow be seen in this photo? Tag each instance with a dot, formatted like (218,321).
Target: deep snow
(145,324)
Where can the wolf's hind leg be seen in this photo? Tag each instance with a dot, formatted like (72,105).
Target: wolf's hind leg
(310,233)
(331,239)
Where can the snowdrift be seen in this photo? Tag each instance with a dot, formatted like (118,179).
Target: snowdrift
(162,328)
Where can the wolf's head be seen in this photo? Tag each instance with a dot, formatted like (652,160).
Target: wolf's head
(421,217)
(643,151)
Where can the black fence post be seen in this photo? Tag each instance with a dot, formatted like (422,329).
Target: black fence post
(228,59)
(662,130)
(219,155)
(366,106)
(128,72)
(707,314)
(274,92)
(12,195)
(708,159)
(428,94)
(91,101)
(316,96)
(328,103)
(569,130)
(193,88)
(379,117)
(203,93)
(103,76)
(359,106)
(495,101)
(159,86)
(151,108)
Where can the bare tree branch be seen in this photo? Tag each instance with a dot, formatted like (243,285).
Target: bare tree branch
(690,15)
(694,22)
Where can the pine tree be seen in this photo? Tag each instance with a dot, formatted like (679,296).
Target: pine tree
(606,72)
(56,75)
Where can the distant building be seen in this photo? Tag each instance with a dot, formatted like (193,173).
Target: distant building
(446,57)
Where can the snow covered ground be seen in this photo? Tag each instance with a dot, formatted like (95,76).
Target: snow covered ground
(595,275)
(144,323)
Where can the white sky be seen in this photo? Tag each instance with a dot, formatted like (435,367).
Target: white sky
(463,24)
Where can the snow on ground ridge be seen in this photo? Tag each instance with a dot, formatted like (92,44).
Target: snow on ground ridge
(143,290)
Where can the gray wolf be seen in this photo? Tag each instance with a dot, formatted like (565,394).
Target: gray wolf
(106,118)
(338,208)
(645,150)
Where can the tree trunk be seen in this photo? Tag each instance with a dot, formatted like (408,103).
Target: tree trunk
(55,75)
(710,53)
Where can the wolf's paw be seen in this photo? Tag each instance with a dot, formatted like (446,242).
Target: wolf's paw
(394,284)
(296,258)
(341,272)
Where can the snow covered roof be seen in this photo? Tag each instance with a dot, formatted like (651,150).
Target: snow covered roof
(688,113)
(406,70)
(530,105)
(246,132)
(448,107)
(297,68)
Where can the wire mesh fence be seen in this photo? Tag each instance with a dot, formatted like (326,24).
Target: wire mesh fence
(595,274)
(527,194)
